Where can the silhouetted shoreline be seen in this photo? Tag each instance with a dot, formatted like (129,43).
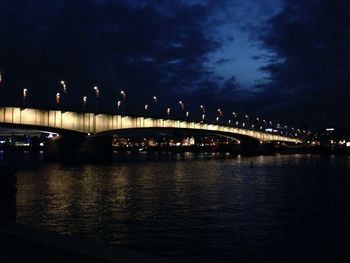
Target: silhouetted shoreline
(269,150)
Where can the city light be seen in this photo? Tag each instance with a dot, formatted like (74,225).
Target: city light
(168,111)
(202,108)
(119,104)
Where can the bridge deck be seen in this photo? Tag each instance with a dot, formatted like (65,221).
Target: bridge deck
(95,123)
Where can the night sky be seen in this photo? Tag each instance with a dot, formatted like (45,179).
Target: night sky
(285,61)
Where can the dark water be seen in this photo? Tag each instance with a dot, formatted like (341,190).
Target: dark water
(207,208)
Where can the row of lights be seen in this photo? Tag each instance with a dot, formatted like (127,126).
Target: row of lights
(155,100)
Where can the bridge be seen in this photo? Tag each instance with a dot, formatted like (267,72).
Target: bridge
(98,123)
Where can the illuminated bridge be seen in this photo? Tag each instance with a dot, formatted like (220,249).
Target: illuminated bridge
(93,123)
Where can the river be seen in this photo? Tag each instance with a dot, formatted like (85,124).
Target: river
(196,207)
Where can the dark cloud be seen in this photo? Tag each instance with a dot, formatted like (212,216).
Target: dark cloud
(144,48)
(230,85)
(222,61)
(310,75)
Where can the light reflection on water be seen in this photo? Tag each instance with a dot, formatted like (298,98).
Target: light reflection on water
(200,208)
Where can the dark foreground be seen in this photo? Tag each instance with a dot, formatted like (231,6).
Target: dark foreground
(21,243)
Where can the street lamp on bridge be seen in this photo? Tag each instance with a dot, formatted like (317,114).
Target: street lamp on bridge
(84,102)
(153,103)
(58,98)
(220,112)
(122,92)
(64,86)
(182,106)
(25,91)
(97,93)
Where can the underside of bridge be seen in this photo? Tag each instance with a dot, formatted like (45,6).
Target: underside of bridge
(80,146)
(176,132)
(98,147)
(238,139)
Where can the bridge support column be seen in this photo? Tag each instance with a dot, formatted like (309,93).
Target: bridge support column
(79,148)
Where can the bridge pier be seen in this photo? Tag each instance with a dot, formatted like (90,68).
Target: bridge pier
(79,148)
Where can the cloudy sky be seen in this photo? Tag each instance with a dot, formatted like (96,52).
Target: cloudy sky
(283,60)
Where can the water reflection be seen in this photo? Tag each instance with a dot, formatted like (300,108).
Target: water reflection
(204,210)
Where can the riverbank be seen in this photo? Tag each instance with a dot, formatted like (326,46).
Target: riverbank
(229,149)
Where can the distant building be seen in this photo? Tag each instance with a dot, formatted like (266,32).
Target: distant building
(335,137)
